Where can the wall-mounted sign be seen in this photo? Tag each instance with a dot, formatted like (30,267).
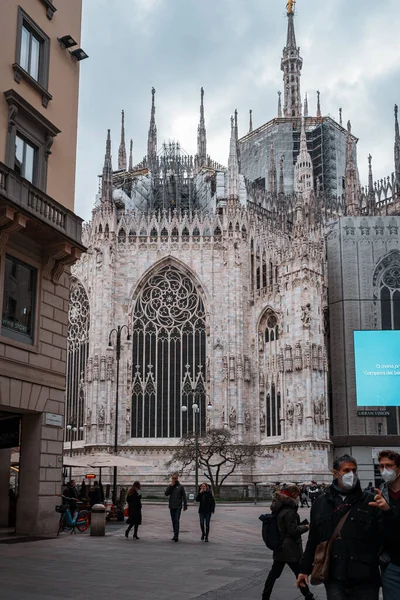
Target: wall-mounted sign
(53,419)
(9,432)
(373,413)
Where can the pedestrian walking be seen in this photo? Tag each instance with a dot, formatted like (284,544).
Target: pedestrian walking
(304,496)
(313,492)
(388,500)
(177,498)
(344,516)
(290,549)
(134,510)
(95,494)
(206,509)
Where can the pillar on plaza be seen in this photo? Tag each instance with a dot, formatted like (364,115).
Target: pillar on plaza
(5,456)
(40,476)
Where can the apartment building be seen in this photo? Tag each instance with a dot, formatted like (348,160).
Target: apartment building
(40,238)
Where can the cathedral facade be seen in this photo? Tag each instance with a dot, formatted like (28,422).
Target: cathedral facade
(220,275)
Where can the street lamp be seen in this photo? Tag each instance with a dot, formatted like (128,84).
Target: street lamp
(196,411)
(72,428)
(118,332)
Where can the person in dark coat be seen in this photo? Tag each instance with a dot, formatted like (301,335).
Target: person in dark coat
(95,494)
(206,509)
(354,565)
(134,510)
(290,551)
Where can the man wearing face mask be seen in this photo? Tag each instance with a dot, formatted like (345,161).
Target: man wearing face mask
(354,568)
(388,500)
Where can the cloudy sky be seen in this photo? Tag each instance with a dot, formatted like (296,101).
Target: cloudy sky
(232,48)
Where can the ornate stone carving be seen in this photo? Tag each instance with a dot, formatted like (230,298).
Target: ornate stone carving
(102,368)
(96,367)
(224,367)
(110,368)
(261,381)
(298,358)
(247,420)
(299,411)
(290,412)
(322,411)
(306,315)
(101,419)
(232,368)
(89,417)
(239,367)
(262,422)
(288,358)
(260,341)
(247,374)
(128,423)
(316,412)
(218,345)
(232,418)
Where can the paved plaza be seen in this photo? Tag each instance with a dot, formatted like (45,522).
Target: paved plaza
(73,567)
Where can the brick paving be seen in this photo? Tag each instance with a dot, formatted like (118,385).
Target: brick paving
(232,566)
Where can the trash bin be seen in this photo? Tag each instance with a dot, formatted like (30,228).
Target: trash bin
(98,520)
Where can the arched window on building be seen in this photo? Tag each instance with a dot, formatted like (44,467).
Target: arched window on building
(169,356)
(387,285)
(272,328)
(273,412)
(77,355)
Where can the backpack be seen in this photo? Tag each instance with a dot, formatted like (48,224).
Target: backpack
(270,530)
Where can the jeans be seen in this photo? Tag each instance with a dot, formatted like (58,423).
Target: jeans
(336,590)
(391,582)
(205,521)
(276,572)
(175,517)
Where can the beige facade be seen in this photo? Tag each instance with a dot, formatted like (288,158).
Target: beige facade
(40,237)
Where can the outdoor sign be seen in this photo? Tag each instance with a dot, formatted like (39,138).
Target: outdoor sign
(9,432)
(53,419)
(373,413)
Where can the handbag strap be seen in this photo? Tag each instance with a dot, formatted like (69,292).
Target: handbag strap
(338,530)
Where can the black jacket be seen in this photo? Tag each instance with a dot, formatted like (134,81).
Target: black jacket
(391,528)
(354,557)
(207,503)
(177,496)
(95,496)
(288,521)
(134,509)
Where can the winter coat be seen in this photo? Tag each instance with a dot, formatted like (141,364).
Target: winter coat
(95,496)
(354,557)
(207,503)
(134,508)
(177,496)
(391,528)
(288,521)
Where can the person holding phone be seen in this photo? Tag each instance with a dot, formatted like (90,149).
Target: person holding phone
(206,509)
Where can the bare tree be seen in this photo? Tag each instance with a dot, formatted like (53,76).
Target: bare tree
(218,456)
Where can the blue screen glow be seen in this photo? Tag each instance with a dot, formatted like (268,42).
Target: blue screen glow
(377,364)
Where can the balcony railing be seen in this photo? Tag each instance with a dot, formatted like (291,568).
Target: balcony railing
(37,204)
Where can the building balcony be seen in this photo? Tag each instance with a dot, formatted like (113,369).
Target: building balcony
(47,221)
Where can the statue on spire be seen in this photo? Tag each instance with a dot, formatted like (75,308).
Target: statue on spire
(290,7)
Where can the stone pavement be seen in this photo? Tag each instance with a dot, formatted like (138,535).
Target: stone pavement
(232,566)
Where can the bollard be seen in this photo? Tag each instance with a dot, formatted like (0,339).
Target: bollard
(98,520)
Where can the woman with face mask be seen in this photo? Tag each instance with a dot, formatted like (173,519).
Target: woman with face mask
(354,567)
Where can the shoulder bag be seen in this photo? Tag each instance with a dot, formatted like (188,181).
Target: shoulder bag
(320,571)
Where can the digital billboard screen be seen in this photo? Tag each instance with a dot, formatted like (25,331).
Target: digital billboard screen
(377,366)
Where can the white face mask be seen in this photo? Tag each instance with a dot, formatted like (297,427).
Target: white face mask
(349,480)
(388,475)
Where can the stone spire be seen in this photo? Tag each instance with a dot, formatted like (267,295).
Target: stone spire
(237,137)
(351,194)
(371,191)
(396,145)
(201,135)
(272,175)
(279,105)
(304,167)
(250,121)
(122,149)
(319,104)
(131,155)
(281,177)
(305,112)
(106,180)
(233,165)
(340,117)
(291,65)
(152,137)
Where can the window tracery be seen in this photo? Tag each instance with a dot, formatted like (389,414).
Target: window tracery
(169,356)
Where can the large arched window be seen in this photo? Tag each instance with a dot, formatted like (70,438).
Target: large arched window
(273,412)
(169,356)
(390,297)
(77,355)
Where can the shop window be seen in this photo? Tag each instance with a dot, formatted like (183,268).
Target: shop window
(18,300)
